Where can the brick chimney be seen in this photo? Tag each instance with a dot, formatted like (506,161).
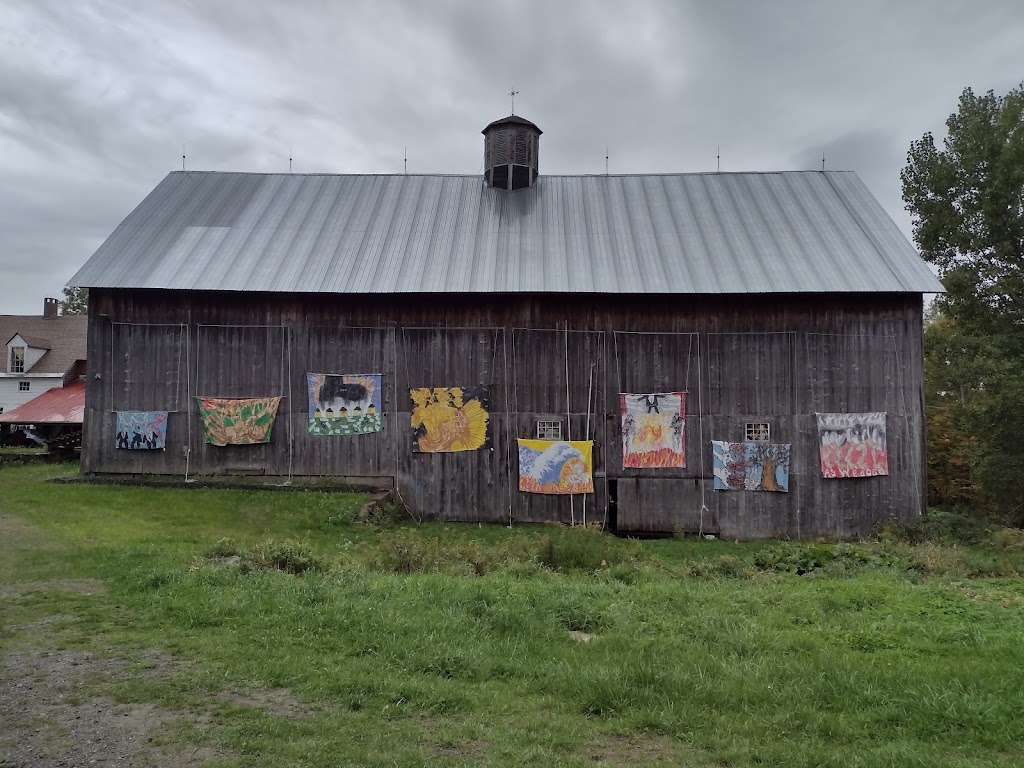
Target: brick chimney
(50,307)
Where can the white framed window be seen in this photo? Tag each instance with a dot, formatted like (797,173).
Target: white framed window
(24,386)
(17,361)
(758,432)
(549,429)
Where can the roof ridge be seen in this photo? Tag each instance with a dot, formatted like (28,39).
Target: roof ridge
(481,176)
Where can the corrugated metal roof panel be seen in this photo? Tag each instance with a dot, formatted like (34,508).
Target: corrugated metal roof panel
(786,232)
(63,405)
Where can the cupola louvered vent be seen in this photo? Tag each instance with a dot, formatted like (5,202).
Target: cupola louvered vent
(511,148)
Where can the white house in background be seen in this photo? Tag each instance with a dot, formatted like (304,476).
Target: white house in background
(40,353)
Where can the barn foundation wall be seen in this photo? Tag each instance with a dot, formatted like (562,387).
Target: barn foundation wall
(774,358)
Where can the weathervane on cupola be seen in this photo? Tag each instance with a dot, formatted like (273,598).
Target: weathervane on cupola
(513,93)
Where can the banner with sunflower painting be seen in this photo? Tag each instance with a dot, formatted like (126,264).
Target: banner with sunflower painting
(449,419)
(237,421)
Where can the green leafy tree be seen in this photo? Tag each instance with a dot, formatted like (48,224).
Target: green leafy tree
(75,301)
(967,201)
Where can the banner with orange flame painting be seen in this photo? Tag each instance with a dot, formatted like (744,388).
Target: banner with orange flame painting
(449,419)
(653,430)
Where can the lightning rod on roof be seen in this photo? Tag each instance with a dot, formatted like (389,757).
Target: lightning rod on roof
(289,158)
(405,159)
(718,157)
(606,161)
(183,157)
(823,161)
(513,93)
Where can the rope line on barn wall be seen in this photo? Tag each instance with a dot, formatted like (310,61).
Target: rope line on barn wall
(508,427)
(286,334)
(568,422)
(700,427)
(188,398)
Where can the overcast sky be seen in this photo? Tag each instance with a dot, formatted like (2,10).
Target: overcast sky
(97,97)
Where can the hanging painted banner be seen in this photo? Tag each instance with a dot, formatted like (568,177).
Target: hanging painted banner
(653,428)
(556,466)
(238,421)
(449,419)
(852,444)
(142,430)
(751,466)
(344,404)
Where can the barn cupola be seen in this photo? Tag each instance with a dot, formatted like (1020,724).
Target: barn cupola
(511,146)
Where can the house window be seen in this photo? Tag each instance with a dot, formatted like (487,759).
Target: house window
(23,386)
(758,432)
(17,360)
(549,430)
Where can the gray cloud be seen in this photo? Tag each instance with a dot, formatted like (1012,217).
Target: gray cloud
(97,98)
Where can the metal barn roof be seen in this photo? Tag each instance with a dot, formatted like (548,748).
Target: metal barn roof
(61,405)
(787,232)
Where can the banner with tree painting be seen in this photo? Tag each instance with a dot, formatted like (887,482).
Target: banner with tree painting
(753,466)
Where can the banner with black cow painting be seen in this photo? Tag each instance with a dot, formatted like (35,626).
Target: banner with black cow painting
(344,404)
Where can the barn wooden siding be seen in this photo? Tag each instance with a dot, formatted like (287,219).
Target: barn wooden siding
(779,359)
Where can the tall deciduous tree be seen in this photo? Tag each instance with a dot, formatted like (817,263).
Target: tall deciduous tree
(967,200)
(75,301)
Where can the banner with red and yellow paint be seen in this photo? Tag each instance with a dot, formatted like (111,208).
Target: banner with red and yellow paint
(653,430)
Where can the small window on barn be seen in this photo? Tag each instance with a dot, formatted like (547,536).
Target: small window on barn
(23,386)
(758,432)
(549,430)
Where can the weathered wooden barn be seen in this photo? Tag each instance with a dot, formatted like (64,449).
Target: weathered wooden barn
(767,298)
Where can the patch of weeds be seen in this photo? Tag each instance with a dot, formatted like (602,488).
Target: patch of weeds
(933,559)
(289,555)
(849,559)
(789,557)
(585,548)
(940,527)
(406,551)
(1009,539)
(327,511)
(224,548)
(383,514)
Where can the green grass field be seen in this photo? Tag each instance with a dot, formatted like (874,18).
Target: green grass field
(445,645)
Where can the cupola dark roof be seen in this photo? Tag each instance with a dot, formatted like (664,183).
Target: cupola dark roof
(512,120)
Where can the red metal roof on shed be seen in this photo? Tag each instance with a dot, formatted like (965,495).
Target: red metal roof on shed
(64,405)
